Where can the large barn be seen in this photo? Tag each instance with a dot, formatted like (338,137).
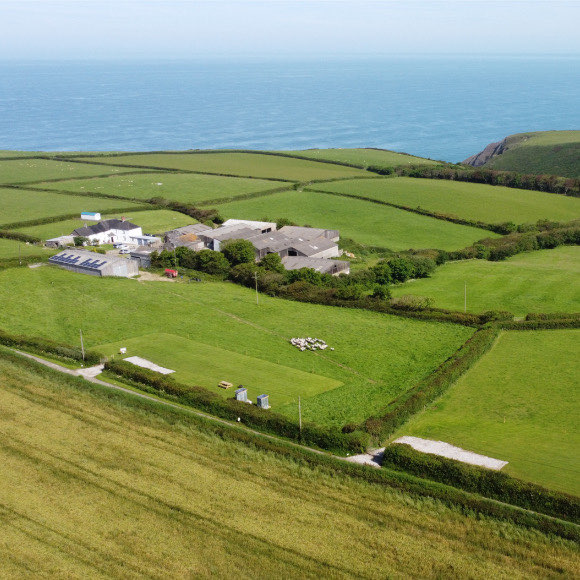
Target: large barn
(85,262)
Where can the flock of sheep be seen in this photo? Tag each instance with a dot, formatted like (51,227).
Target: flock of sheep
(309,344)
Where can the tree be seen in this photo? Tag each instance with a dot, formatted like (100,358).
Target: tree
(383,273)
(212,262)
(239,252)
(273,263)
(80,240)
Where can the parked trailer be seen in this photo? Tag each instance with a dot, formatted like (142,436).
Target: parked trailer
(171,273)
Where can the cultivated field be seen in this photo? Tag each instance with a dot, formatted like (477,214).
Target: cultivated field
(541,281)
(364,157)
(151,221)
(25,170)
(188,187)
(474,201)
(242,164)
(518,403)
(363,221)
(376,356)
(94,487)
(20,205)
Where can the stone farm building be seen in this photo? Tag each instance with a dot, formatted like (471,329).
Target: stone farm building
(111,231)
(94,264)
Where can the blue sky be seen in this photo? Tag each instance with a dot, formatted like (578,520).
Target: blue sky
(129,29)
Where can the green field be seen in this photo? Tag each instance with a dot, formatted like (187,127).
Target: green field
(365,157)
(474,201)
(185,187)
(365,222)
(376,356)
(151,221)
(200,364)
(18,205)
(94,486)
(553,152)
(25,170)
(542,281)
(518,403)
(13,249)
(243,164)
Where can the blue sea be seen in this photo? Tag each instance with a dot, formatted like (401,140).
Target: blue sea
(443,108)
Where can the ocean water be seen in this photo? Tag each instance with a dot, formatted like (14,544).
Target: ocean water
(443,108)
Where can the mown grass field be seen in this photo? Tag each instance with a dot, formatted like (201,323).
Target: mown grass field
(151,221)
(242,164)
(486,203)
(542,281)
(25,170)
(13,249)
(518,403)
(364,157)
(553,152)
(366,222)
(200,364)
(20,205)
(376,356)
(96,486)
(188,188)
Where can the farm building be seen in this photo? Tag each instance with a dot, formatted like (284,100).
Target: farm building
(187,236)
(264,227)
(85,262)
(143,256)
(60,242)
(109,231)
(240,231)
(322,265)
(146,241)
(309,234)
(91,215)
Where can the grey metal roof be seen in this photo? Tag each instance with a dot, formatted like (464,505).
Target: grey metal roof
(307,234)
(322,265)
(190,229)
(273,241)
(312,248)
(104,226)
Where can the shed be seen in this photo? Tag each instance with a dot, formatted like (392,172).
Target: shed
(93,264)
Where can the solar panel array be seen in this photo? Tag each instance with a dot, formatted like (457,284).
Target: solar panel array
(74,260)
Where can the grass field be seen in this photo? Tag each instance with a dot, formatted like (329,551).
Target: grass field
(13,249)
(518,403)
(151,221)
(22,171)
(376,356)
(93,486)
(189,187)
(244,164)
(542,281)
(555,152)
(364,157)
(486,203)
(366,222)
(19,205)
(200,364)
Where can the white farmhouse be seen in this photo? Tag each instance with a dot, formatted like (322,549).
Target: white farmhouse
(110,232)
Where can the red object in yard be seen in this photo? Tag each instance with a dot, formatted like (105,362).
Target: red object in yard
(171,273)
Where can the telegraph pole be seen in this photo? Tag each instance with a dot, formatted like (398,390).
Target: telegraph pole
(256,279)
(465,298)
(82,345)
(299,416)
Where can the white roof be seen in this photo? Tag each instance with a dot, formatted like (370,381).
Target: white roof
(251,224)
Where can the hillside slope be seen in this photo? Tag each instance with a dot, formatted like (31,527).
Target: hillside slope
(551,152)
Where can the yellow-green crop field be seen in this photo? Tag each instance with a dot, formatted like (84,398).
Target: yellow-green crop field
(92,486)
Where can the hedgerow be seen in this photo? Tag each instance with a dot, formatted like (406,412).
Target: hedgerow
(251,416)
(489,483)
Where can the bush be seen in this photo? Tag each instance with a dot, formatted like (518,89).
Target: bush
(273,263)
(489,483)
(212,262)
(410,302)
(238,252)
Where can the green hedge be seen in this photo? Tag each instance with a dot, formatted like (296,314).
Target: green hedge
(553,316)
(427,390)
(538,324)
(50,347)
(489,483)
(251,415)
(23,261)
(10,235)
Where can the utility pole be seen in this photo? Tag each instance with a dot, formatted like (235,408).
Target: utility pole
(256,279)
(299,416)
(19,253)
(465,298)
(82,344)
